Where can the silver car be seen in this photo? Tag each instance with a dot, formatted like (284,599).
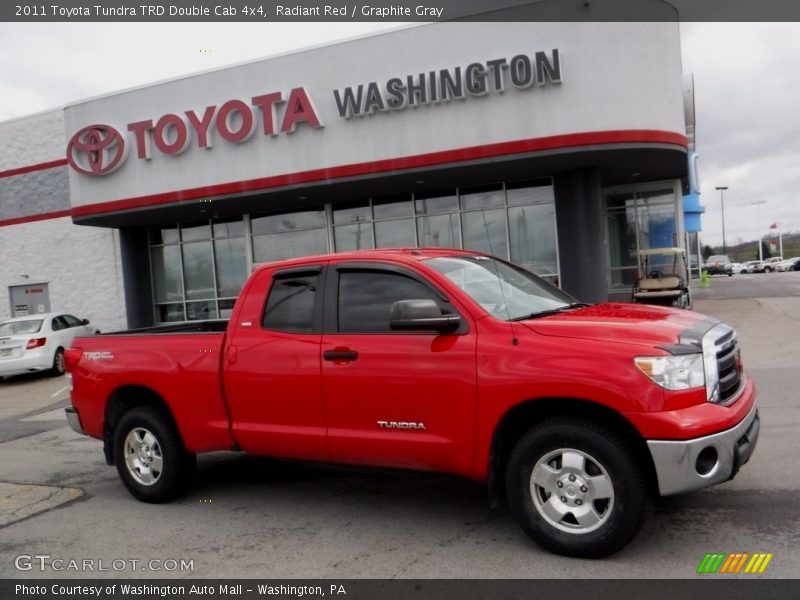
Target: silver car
(37,342)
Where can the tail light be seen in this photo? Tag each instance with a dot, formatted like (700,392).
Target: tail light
(72,357)
(35,343)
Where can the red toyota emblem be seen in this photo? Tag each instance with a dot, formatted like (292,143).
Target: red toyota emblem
(96,150)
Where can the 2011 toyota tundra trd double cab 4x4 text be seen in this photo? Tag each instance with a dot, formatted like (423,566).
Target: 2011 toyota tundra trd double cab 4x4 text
(439,360)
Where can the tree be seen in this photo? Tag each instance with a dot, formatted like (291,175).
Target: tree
(765,249)
(707,251)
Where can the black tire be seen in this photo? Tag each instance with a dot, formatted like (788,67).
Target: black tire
(158,444)
(618,518)
(767,270)
(59,366)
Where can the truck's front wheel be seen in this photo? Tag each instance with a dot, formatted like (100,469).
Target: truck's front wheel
(150,457)
(575,488)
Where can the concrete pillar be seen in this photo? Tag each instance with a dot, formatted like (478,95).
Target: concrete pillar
(582,247)
(136,276)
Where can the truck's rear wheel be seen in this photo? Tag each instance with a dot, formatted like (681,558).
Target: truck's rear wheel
(150,457)
(575,488)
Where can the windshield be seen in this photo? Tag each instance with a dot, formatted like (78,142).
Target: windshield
(505,291)
(20,327)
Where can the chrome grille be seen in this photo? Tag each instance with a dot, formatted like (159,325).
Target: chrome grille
(728,366)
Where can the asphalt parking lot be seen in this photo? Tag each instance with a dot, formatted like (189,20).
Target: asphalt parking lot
(249,517)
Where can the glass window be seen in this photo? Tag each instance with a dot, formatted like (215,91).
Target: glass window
(352,214)
(485,231)
(164,236)
(353,237)
(226,308)
(21,327)
(168,313)
(532,233)
(366,299)
(436,205)
(289,222)
(392,208)
(395,234)
(198,273)
(195,233)
(231,266)
(229,229)
(503,290)
(491,197)
(201,311)
(59,324)
(167,273)
(638,220)
(72,321)
(290,305)
(289,244)
(439,230)
(535,192)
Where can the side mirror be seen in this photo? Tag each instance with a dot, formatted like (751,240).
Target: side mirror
(421,315)
(85,322)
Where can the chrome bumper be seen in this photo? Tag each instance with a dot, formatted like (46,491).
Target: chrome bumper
(74,420)
(677,465)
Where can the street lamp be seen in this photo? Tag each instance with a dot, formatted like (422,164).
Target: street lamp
(758,222)
(721,189)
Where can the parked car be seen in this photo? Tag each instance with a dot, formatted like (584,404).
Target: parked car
(770,264)
(37,342)
(719,264)
(786,265)
(752,266)
(440,360)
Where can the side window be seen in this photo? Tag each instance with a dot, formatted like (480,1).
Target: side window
(291,302)
(366,298)
(59,323)
(71,321)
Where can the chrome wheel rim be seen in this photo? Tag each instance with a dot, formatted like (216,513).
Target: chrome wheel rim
(572,491)
(143,457)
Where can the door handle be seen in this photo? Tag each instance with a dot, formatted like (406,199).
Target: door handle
(344,355)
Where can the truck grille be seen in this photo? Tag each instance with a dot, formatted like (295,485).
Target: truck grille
(729,366)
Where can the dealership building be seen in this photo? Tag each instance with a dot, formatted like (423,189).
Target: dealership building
(563,147)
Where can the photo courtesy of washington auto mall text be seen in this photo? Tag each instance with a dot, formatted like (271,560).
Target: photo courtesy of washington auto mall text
(177,590)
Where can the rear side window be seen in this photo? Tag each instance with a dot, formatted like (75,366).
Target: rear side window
(366,298)
(291,304)
(72,321)
(59,323)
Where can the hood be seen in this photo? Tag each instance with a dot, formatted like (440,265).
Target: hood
(641,324)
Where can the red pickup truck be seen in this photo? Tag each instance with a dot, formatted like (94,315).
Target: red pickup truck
(439,360)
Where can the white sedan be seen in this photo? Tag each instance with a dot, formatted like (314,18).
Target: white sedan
(37,342)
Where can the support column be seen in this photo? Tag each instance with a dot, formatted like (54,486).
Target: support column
(136,276)
(582,247)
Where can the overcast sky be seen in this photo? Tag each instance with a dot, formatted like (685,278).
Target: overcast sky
(746,84)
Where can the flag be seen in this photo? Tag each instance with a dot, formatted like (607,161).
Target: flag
(774,225)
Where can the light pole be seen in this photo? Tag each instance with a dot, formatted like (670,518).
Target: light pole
(758,223)
(722,189)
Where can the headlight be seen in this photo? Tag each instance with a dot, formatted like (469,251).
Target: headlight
(674,372)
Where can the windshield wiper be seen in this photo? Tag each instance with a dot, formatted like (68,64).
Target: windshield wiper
(552,311)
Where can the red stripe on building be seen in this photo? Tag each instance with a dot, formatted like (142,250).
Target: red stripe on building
(61,162)
(573,140)
(57,214)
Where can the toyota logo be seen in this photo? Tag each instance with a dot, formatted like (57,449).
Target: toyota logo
(96,150)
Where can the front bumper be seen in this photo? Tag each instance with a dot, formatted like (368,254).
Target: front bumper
(686,465)
(74,419)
